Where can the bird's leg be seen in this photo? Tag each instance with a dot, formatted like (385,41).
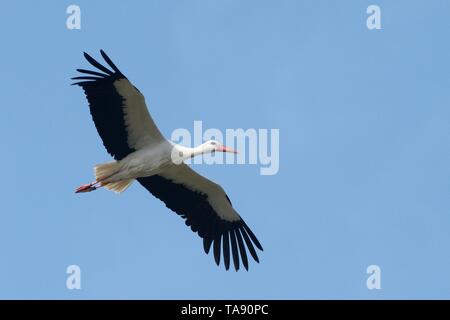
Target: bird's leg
(89,187)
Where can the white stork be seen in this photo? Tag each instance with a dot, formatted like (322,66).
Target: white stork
(141,153)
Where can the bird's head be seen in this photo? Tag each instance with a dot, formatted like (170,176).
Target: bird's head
(213,145)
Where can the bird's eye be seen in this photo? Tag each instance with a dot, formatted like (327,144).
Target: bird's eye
(213,143)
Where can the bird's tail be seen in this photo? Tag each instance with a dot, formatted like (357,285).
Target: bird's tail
(119,186)
(104,171)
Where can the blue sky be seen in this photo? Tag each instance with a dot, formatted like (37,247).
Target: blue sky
(364,147)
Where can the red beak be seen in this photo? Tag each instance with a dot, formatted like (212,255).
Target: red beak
(226,149)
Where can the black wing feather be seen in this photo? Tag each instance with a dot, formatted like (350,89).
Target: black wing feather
(95,73)
(234,250)
(250,246)
(98,65)
(87,78)
(242,249)
(252,236)
(109,62)
(226,250)
(217,250)
(207,244)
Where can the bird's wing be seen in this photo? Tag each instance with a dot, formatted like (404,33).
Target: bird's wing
(117,108)
(207,210)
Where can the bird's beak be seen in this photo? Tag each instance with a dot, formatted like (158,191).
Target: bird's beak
(226,149)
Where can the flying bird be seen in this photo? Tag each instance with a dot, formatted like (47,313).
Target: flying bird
(141,153)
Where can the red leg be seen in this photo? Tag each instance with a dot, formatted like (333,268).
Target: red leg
(88,187)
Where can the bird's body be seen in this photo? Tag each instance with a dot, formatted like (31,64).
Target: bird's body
(142,153)
(143,162)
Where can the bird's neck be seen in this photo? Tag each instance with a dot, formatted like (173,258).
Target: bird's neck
(186,152)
